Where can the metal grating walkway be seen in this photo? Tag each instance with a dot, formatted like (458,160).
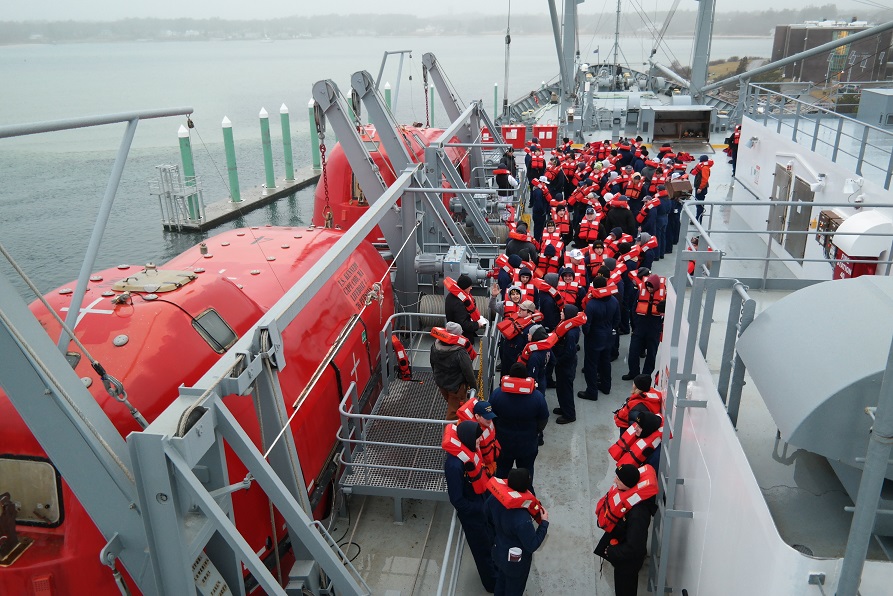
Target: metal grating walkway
(406,399)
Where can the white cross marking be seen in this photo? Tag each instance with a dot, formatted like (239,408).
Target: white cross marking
(89,309)
(356,363)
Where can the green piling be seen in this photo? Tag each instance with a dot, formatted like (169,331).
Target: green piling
(387,96)
(314,136)
(230,148)
(431,102)
(268,148)
(286,144)
(188,170)
(495,100)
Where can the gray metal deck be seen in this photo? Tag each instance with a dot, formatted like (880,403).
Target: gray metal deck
(400,458)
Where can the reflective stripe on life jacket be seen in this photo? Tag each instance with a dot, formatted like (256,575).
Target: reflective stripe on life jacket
(465,297)
(452,445)
(512,499)
(453,339)
(615,504)
(546,265)
(563,223)
(630,449)
(404,371)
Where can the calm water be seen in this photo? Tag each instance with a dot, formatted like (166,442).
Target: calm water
(52,184)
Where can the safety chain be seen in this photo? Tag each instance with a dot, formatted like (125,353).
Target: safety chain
(321,133)
(481,370)
(425,84)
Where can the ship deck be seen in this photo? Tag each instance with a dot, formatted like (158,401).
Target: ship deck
(573,470)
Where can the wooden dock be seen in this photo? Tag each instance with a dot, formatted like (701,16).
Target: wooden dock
(222,211)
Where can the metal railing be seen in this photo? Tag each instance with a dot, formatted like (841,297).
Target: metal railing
(862,147)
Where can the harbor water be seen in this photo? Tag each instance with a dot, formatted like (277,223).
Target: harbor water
(52,184)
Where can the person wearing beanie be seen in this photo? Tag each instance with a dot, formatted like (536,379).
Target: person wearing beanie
(619,216)
(513,525)
(453,371)
(551,317)
(701,182)
(469,500)
(602,319)
(521,247)
(565,352)
(506,275)
(538,361)
(642,398)
(648,324)
(625,546)
(520,416)
(512,308)
(538,203)
(641,442)
(455,310)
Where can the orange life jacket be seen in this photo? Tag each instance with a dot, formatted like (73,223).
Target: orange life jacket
(592,292)
(589,229)
(513,325)
(543,286)
(595,262)
(546,265)
(615,504)
(562,223)
(404,371)
(466,298)
(512,499)
(651,399)
(453,339)
(643,212)
(647,303)
(566,325)
(570,291)
(490,448)
(518,385)
(537,161)
(634,189)
(537,346)
(451,444)
(630,449)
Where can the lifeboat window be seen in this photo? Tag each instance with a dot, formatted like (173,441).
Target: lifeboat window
(33,485)
(211,326)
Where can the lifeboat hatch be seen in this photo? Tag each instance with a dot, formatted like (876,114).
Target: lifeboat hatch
(156,281)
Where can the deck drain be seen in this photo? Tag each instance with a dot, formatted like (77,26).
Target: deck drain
(802,549)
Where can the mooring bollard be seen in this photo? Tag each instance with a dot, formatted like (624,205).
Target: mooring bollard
(229,146)
(188,170)
(268,148)
(387,95)
(314,136)
(286,144)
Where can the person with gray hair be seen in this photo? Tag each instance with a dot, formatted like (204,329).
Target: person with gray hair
(453,371)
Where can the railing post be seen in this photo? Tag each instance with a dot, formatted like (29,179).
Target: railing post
(862,150)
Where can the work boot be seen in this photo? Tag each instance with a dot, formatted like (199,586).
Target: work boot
(563,420)
(629,376)
(558,411)
(584,395)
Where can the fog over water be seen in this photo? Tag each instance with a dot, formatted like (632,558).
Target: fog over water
(53,183)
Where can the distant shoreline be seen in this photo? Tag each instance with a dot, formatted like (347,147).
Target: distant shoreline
(289,39)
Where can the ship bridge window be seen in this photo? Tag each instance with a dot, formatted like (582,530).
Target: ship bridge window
(33,485)
(217,332)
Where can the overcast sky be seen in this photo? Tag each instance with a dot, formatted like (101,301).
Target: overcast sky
(52,10)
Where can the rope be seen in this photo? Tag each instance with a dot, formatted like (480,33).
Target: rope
(64,395)
(191,125)
(113,386)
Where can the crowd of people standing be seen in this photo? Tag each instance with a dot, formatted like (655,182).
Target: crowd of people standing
(601,217)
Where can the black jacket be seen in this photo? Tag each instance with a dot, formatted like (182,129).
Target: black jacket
(455,312)
(451,366)
(631,533)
